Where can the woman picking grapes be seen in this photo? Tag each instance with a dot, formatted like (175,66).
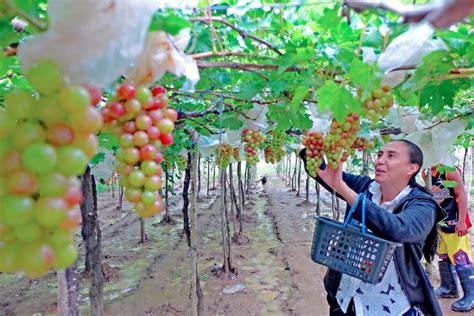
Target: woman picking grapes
(398,210)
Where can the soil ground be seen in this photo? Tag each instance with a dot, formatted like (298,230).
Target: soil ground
(274,266)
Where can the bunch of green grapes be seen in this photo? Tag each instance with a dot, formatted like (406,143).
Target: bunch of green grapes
(339,140)
(252,140)
(180,163)
(143,124)
(223,153)
(378,103)
(46,141)
(313,143)
(277,141)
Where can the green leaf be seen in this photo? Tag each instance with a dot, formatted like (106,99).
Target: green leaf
(434,64)
(279,114)
(330,18)
(98,158)
(7,34)
(108,140)
(438,94)
(9,63)
(360,73)
(301,120)
(298,98)
(337,99)
(449,184)
(230,121)
(365,76)
(169,23)
(249,87)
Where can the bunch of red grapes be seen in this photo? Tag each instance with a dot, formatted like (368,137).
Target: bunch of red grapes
(252,140)
(46,141)
(223,153)
(378,103)
(361,144)
(143,124)
(269,155)
(313,142)
(236,153)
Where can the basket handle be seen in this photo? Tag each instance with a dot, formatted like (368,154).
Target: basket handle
(364,198)
(352,209)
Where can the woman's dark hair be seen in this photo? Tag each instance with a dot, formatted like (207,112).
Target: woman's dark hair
(416,157)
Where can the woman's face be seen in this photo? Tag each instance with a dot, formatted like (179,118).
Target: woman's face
(393,166)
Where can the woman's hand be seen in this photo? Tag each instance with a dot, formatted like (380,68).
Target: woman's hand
(332,177)
(461,228)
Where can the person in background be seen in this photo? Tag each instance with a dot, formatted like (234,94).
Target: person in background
(454,251)
(400,210)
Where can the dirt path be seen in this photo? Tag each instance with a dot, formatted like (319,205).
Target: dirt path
(274,266)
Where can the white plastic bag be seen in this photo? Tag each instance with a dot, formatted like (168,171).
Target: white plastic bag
(408,49)
(437,141)
(92,41)
(405,118)
(256,118)
(164,52)
(321,120)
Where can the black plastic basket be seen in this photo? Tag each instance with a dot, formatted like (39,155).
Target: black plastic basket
(349,249)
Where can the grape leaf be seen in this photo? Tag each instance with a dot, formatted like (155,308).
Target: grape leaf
(364,75)
(7,34)
(230,121)
(337,99)
(108,140)
(438,94)
(279,114)
(169,23)
(330,18)
(298,98)
(249,87)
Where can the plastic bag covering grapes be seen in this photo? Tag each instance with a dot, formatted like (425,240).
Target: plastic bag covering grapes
(256,118)
(437,141)
(321,120)
(405,118)
(408,49)
(164,52)
(93,42)
(103,170)
(206,144)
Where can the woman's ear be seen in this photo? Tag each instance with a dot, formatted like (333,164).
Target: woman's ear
(413,168)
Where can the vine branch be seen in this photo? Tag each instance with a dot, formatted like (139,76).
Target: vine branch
(226,54)
(450,120)
(241,66)
(242,33)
